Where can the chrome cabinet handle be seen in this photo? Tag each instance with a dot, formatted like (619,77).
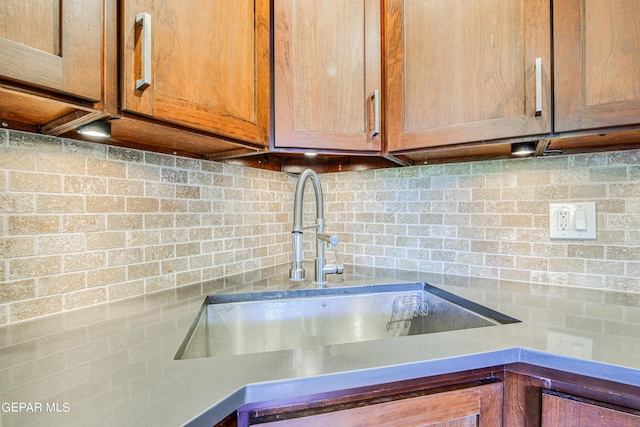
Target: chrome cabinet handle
(144,20)
(538,87)
(375,99)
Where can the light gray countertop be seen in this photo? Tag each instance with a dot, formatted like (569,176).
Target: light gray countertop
(113,364)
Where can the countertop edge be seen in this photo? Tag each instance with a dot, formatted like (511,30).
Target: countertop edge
(287,388)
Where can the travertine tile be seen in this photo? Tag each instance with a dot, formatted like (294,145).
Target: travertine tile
(105,240)
(51,285)
(125,221)
(125,187)
(35,142)
(17,246)
(125,256)
(33,224)
(106,168)
(168,221)
(142,204)
(34,181)
(59,203)
(31,308)
(60,243)
(106,276)
(17,290)
(125,154)
(84,261)
(83,223)
(22,268)
(124,290)
(84,298)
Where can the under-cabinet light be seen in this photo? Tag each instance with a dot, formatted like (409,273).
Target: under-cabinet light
(97,129)
(523,148)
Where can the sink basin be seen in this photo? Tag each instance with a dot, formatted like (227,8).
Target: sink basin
(258,322)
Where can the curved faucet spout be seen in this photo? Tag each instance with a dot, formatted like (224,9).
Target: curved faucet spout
(299,198)
(321,270)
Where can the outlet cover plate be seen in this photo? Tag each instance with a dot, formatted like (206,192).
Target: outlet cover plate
(572,221)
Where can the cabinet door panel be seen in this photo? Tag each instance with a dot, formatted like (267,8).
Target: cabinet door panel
(54,44)
(465,70)
(560,410)
(477,406)
(597,52)
(209,65)
(327,63)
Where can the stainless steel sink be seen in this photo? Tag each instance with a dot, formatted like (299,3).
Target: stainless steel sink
(283,320)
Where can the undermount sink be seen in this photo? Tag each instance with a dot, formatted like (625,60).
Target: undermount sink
(231,324)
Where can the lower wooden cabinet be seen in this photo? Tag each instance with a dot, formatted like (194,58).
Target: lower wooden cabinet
(565,410)
(465,399)
(468,407)
(515,395)
(544,397)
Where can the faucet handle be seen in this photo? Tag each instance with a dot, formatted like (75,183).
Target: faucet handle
(332,240)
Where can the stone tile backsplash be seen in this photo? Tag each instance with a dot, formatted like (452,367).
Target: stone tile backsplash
(86,223)
(490,219)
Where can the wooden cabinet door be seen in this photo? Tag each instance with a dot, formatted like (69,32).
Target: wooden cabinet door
(472,407)
(327,62)
(466,70)
(209,65)
(597,63)
(563,410)
(53,44)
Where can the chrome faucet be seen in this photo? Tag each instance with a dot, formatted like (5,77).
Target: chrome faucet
(321,267)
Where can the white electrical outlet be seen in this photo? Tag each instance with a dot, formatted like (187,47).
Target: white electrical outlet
(572,221)
(563,220)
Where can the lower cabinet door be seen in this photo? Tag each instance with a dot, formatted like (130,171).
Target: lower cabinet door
(564,410)
(474,406)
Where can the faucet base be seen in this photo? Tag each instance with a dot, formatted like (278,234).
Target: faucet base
(296,274)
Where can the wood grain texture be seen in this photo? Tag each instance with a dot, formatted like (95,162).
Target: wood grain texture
(327,62)
(55,45)
(522,400)
(560,410)
(597,52)
(481,405)
(463,71)
(32,23)
(210,66)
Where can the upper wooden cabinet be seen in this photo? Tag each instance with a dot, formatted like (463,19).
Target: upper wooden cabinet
(53,63)
(200,64)
(55,45)
(597,63)
(466,70)
(327,60)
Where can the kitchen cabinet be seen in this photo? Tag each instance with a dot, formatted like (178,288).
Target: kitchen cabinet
(461,71)
(52,60)
(53,44)
(596,72)
(462,399)
(479,405)
(513,395)
(563,410)
(327,78)
(201,65)
(536,396)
